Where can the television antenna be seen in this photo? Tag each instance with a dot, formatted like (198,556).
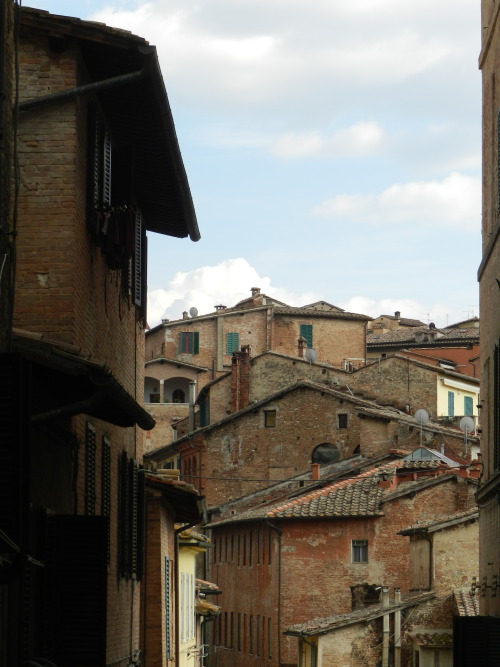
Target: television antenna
(467,425)
(422,417)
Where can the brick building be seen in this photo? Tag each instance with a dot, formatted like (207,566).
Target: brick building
(315,551)
(281,435)
(488,276)
(199,349)
(99,164)
(409,385)
(456,347)
(443,564)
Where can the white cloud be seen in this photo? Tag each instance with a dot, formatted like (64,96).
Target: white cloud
(226,283)
(454,201)
(363,138)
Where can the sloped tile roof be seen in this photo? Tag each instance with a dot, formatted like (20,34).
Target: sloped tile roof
(402,336)
(466,603)
(348,498)
(433,639)
(318,626)
(431,525)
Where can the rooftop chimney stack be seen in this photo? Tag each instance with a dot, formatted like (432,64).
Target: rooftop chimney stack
(255,291)
(397,315)
(315,475)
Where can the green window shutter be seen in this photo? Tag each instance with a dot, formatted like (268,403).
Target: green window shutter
(468,407)
(232,342)
(451,404)
(196,342)
(306,331)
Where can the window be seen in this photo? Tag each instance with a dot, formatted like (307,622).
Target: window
(468,406)
(178,396)
(90,469)
(306,331)
(496,407)
(360,551)
(190,342)
(269,418)
(342,420)
(451,404)
(326,453)
(232,342)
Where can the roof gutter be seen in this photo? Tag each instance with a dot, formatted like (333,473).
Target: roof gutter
(86,89)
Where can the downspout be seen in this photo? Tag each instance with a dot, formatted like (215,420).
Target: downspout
(386,629)
(280,534)
(431,560)
(397,629)
(192,387)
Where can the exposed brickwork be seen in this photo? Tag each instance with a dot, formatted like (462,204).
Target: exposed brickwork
(317,569)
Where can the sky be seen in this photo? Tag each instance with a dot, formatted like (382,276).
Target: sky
(333,150)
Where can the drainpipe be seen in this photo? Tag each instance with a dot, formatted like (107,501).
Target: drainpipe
(192,387)
(397,629)
(279,533)
(385,635)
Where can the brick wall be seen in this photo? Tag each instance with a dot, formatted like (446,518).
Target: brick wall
(398,382)
(65,291)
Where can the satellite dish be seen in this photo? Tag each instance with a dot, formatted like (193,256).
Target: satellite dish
(467,424)
(310,355)
(193,312)
(422,416)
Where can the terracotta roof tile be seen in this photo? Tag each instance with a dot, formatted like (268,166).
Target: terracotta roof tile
(466,603)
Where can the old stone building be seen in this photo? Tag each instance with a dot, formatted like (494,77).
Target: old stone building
(410,385)
(488,276)
(323,550)
(199,349)
(95,172)
(281,435)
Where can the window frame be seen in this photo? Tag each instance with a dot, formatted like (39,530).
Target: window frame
(359,551)
(270,418)
(189,342)
(232,342)
(342,420)
(306,331)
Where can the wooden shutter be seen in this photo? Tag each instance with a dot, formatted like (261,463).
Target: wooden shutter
(90,469)
(124,514)
(496,407)
(14,464)
(232,342)
(451,404)
(476,641)
(196,342)
(106,488)
(106,168)
(138,267)
(168,650)
(306,331)
(468,406)
(75,597)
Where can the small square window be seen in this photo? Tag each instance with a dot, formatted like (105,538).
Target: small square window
(269,418)
(360,551)
(342,420)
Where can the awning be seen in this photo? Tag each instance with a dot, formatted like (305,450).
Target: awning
(74,384)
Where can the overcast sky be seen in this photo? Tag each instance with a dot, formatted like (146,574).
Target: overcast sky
(332,148)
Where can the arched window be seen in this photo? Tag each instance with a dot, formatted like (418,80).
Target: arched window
(178,396)
(326,453)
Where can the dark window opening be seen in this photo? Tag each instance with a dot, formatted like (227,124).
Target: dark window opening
(342,420)
(269,418)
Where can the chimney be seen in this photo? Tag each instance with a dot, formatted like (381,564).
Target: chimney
(315,472)
(185,315)
(397,315)
(302,346)
(220,307)
(240,379)
(255,291)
